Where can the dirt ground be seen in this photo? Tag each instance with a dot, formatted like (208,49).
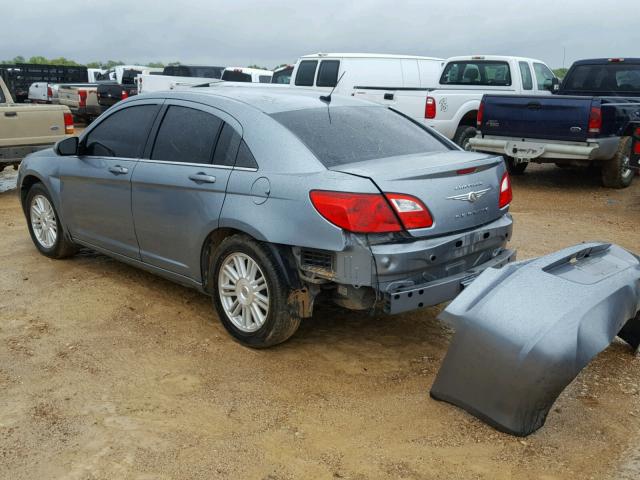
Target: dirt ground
(107,372)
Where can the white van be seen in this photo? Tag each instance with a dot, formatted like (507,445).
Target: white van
(365,71)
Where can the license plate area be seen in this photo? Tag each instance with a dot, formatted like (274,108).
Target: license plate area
(524,150)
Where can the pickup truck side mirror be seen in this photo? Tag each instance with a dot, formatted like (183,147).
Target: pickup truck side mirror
(67,146)
(552,84)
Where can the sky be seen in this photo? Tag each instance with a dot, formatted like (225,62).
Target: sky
(270,33)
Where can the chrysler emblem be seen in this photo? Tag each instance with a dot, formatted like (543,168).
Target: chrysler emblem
(470,196)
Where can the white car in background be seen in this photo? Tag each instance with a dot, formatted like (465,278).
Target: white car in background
(452,106)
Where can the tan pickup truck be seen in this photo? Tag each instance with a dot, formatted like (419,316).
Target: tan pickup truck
(25,128)
(82,100)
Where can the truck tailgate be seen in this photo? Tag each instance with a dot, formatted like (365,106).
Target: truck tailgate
(564,118)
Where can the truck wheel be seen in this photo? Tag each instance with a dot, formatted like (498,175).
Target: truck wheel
(463,135)
(46,231)
(250,293)
(616,172)
(516,168)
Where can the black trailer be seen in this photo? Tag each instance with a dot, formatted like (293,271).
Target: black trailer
(18,77)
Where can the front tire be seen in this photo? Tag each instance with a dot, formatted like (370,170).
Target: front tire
(616,172)
(250,293)
(463,135)
(47,233)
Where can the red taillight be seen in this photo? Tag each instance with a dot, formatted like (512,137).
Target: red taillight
(506,194)
(68,123)
(412,212)
(82,94)
(430,108)
(356,212)
(371,212)
(49,93)
(595,120)
(636,143)
(480,115)
(124,95)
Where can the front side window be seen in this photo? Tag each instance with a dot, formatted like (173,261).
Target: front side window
(306,73)
(328,73)
(341,135)
(122,134)
(283,77)
(487,73)
(543,75)
(186,135)
(525,72)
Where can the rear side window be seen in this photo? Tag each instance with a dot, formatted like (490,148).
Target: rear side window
(525,72)
(2,99)
(245,157)
(306,73)
(227,147)
(186,135)
(122,134)
(328,73)
(236,76)
(341,135)
(543,75)
(476,73)
(264,79)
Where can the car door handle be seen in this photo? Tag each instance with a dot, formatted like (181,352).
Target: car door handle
(118,170)
(10,114)
(202,177)
(534,106)
(388,96)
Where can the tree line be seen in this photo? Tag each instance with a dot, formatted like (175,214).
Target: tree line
(40,60)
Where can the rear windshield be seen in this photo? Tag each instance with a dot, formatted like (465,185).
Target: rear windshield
(341,135)
(233,76)
(612,77)
(193,71)
(476,73)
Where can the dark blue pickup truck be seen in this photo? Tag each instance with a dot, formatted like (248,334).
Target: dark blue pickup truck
(589,120)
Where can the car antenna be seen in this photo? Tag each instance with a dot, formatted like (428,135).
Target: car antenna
(327,98)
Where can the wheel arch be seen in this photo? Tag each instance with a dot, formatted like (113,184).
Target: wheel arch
(281,253)
(27,182)
(469,118)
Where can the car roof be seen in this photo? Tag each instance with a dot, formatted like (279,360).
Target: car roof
(267,99)
(491,58)
(603,61)
(368,55)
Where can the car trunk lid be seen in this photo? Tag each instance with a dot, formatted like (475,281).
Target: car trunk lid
(460,189)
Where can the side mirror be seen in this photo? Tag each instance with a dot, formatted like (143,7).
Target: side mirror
(552,84)
(67,146)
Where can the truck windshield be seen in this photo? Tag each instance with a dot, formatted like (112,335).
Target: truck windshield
(476,73)
(610,77)
(341,135)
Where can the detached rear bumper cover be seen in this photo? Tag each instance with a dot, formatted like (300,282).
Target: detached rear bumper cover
(525,331)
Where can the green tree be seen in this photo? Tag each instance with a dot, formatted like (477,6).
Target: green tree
(173,64)
(258,67)
(155,64)
(560,72)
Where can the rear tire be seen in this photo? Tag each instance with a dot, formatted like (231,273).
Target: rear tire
(616,172)
(515,168)
(463,134)
(250,293)
(47,233)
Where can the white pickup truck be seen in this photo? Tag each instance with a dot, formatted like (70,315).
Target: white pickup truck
(451,105)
